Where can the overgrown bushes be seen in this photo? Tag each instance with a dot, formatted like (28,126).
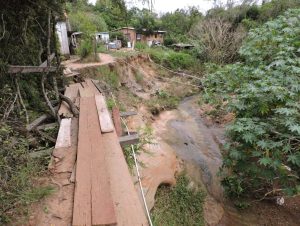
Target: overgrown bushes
(85,48)
(263,152)
(219,41)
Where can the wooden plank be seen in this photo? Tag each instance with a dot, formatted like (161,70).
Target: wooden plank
(47,126)
(36,122)
(96,83)
(117,120)
(13,69)
(64,134)
(103,114)
(42,153)
(127,114)
(129,209)
(128,140)
(92,86)
(44,64)
(103,212)
(82,196)
(86,91)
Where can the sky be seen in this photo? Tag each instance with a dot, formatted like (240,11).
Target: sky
(162,6)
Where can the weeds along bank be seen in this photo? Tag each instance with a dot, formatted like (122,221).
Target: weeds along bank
(135,80)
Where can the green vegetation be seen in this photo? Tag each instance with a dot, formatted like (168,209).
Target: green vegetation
(85,48)
(263,92)
(146,137)
(162,101)
(17,173)
(180,205)
(140,46)
(111,77)
(171,59)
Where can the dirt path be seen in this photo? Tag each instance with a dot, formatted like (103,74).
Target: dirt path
(74,64)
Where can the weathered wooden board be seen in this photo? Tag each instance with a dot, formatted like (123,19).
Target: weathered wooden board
(82,196)
(85,91)
(64,134)
(103,212)
(92,86)
(36,122)
(12,69)
(127,114)
(104,116)
(128,140)
(128,207)
(117,120)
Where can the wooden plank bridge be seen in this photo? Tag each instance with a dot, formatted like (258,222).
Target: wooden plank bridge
(104,191)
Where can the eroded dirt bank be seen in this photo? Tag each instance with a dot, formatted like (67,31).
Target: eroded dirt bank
(183,142)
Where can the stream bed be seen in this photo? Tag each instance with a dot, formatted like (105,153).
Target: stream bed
(198,147)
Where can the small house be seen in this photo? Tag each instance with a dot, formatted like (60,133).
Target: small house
(102,37)
(151,38)
(154,37)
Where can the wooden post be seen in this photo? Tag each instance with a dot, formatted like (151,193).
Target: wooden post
(117,120)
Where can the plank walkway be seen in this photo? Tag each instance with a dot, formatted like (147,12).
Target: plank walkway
(104,190)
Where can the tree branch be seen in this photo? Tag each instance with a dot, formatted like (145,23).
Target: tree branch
(72,106)
(21,99)
(3,23)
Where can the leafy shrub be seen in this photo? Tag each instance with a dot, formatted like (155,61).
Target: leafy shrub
(179,60)
(263,153)
(140,46)
(85,48)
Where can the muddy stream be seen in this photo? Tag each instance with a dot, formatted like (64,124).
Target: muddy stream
(183,141)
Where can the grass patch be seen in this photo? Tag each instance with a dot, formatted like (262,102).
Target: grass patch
(111,77)
(162,101)
(173,60)
(179,205)
(123,53)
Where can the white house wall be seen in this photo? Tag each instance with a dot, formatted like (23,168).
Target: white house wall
(61,30)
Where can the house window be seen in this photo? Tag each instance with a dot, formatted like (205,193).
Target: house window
(138,36)
(155,35)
